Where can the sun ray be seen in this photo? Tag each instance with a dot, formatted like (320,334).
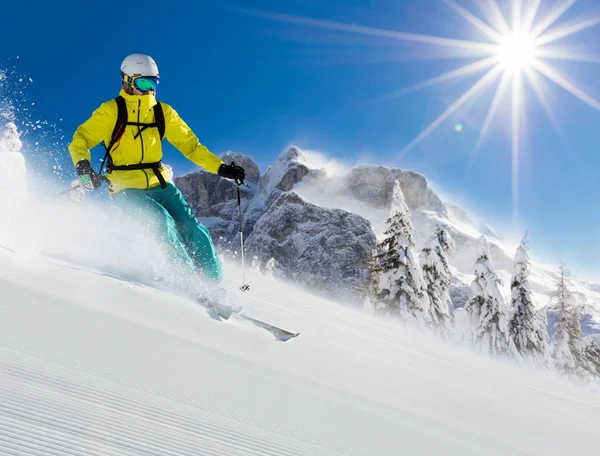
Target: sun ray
(563,82)
(558,54)
(534,80)
(474,21)
(462,71)
(495,16)
(476,47)
(490,115)
(516,141)
(531,14)
(547,22)
(567,31)
(479,85)
(517,9)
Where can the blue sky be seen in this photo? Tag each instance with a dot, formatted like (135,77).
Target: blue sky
(252,84)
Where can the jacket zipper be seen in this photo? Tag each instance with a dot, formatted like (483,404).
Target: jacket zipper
(142,141)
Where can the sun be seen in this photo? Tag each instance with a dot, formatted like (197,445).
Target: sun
(517,51)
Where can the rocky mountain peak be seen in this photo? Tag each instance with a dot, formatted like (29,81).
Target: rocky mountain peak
(287,171)
(374,185)
(292,153)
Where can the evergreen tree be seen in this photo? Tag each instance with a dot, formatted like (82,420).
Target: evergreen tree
(568,348)
(371,294)
(591,353)
(401,285)
(436,272)
(368,305)
(270,268)
(256,264)
(540,326)
(528,328)
(487,309)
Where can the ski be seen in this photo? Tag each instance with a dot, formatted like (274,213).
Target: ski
(223,313)
(280,334)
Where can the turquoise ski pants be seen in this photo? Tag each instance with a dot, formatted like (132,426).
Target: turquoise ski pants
(174,225)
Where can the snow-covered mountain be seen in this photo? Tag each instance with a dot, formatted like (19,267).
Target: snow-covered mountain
(319,221)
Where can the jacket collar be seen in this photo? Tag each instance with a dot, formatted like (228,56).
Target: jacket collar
(145,102)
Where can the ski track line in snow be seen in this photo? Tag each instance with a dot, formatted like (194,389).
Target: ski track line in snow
(75,393)
(78,389)
(99,398)
(124,377)
(348,451)
(295,432)
(61,304)
(318,442)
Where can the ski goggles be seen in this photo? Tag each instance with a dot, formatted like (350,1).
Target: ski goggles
(142,83)
(145,84)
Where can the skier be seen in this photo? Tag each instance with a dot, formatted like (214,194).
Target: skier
(132,127)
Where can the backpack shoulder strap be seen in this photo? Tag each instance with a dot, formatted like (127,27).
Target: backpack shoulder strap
(118,130)
(159,119)
(121,119)
(120,123)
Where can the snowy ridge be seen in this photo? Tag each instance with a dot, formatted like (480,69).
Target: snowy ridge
(428,212)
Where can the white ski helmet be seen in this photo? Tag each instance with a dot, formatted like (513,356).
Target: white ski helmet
(139,65)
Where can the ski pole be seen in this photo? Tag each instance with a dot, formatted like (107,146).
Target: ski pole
(245,286)
(68,190)
(78,186)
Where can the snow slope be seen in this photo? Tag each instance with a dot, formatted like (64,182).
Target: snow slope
(94,365)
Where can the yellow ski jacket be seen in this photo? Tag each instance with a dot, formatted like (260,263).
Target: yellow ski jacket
(146,148)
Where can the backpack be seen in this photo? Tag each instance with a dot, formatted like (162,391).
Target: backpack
(120,125)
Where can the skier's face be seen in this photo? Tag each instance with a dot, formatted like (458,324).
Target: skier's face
(133,91)
(138,92)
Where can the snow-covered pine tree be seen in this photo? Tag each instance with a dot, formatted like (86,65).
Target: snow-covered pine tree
(528,328)
(591,353)
(371,302)
(436,272)
(368,306)
(270,268)
(10,142)
(567,344)
(540,326)
(487,309)
(256,264)
(401,284)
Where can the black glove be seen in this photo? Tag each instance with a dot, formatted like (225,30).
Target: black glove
(88,178)
(232,171)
